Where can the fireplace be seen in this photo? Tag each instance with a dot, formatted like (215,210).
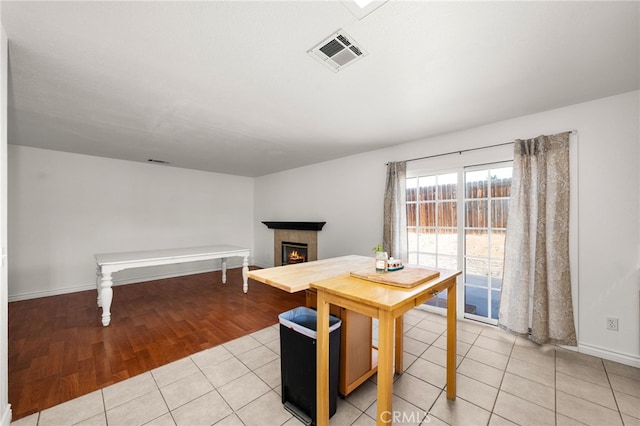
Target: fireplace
(302,235)
(294,252)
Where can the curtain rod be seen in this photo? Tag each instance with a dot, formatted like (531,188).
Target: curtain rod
(573,132)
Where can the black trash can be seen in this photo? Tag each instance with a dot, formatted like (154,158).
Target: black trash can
(298,362)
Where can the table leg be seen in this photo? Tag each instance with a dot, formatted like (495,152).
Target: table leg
(400,344)
(322,362)
(98,282)
(451,342)
(224,270)
(245,271)
(106,294)
(385,368)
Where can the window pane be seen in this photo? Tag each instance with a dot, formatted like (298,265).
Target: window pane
(477,272)
(440,300)
(475,301)
(501,181)
(497,244)
(447,262)
(447,186)
(412,258)
(428,260)
(476,214)
(476,242)
(499,213)
(476,184)
(448,214)
(448,242)
(427,240)
(495,304)
(412,184)
(411,214)
(412,240)
(497,267)
(427,189)
(427,214)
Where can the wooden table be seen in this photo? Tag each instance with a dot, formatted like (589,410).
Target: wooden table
(387,303)
(108,263)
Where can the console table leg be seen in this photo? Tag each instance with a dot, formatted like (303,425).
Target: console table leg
(245,271)
(224,270)
(106,294)
(98,281)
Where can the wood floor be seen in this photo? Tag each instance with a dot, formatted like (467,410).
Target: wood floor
(58,349)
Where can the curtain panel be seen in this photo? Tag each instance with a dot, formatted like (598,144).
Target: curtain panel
(394,233)
(536,292)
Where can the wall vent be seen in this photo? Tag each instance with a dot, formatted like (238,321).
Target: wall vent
(337,51)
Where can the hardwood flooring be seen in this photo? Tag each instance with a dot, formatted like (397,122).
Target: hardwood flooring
(58,349)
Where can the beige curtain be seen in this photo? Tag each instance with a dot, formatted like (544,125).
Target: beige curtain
(394,234)
(536,290)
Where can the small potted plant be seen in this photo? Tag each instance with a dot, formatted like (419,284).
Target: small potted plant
(381,258)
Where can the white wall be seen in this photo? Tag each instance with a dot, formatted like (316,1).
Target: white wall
(64,208)
(5,408)
(348,194)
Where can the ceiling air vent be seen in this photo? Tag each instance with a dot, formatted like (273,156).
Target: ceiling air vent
(337,51)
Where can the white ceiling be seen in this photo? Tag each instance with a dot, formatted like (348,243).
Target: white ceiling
(228,87)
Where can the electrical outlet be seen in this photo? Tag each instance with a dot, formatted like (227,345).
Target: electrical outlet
(612,324)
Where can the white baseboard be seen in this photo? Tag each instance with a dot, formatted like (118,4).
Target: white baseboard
(622,358)
(5,418)
(117,282)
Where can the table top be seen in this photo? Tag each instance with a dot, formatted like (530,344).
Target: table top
(299,276)
(382,296)
(172,253)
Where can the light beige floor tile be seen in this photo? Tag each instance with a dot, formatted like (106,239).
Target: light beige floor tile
(164,420)
(459,412)
(422,335)
(402,413)
(266,409)
(465,336)
(585,411)
(630,421)
(211,357)
(535,392)
(488,357)
(225,372)
(625,384)
(628,404)
(270,373)
(533,372)
(413,346)
(622,369)
(138,411)
(416,391)
(73,411)
(408,359)
(257,357)
(566,421)
(345,414)
(521,411)
(30,420)
(438,356)
(243,390)
(97,420)
(499,346)
(499,334)
(206,410)
(231,420)
(410,320)
(481,372)
(174,371)
(579,358)
(242,344)
(461,347)
(432,326)
(363,396)
(544,356)
(364,420)
(429,372)
(586,390)
(127,390)
(496,420)
(267,334)
(582,371)
(470,326)
(186,390)
(478,393)
(274,345)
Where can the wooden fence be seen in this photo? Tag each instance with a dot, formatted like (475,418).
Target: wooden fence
(436,205)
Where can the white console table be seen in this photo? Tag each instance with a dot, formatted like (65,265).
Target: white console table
(108,263)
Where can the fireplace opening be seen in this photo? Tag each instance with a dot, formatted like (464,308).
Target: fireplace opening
(294,252)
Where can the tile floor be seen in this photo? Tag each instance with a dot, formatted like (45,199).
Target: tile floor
(502,380)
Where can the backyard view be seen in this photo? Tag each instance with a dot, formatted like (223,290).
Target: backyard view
(434,225)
